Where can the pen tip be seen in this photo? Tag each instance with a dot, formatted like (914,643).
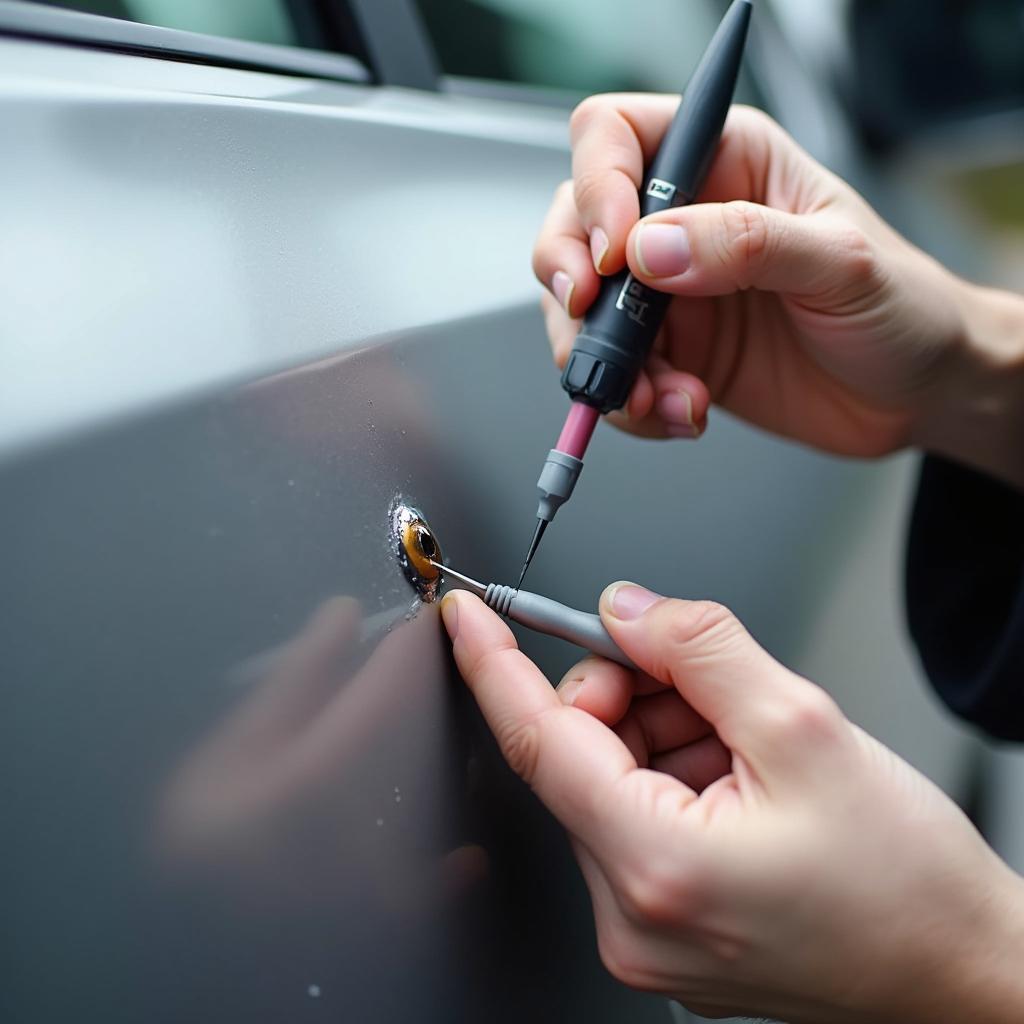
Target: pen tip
(542,525)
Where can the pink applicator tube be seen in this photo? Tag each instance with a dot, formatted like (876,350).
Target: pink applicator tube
(578,430)
(561,470)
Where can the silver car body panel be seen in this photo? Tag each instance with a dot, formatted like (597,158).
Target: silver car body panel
(200,224)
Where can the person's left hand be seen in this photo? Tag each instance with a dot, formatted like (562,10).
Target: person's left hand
(748,850)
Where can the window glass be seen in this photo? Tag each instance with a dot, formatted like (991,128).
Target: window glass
(923,63)
(582,46)
(260,21)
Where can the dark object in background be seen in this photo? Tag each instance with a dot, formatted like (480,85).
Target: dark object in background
(922,63)
(965,594)
(474,41)
(469,40)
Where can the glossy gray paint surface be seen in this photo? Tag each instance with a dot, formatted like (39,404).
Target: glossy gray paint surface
(241,316)
(188,846)
(168,227)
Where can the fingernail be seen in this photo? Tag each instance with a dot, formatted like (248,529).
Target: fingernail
(676,409)
(562,286)
(598,247)
(450,615)
(570,691)
(662,250)
(628,601)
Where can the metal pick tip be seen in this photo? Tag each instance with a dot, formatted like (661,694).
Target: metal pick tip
(542,525)
(475,585)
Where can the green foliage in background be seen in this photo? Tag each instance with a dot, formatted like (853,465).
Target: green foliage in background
(998,192)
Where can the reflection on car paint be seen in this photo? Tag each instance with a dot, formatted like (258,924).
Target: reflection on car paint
(252,809)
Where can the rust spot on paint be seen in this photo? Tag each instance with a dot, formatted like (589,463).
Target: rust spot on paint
(417,548)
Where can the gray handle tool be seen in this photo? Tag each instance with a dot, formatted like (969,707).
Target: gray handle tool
(546,616)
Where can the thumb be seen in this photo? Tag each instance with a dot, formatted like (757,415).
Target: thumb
(721,248)
(770,716)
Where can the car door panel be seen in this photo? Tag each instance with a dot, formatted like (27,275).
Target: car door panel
(243,315)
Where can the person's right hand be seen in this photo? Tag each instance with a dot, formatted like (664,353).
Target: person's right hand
(799,309)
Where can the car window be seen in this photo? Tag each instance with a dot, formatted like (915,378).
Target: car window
(259,21)
(582,46)
(920,65)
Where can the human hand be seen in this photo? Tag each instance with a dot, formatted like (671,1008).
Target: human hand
(747,849)
(798,308)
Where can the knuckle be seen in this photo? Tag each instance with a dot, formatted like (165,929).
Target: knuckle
(657,896)
(856,273)
(706,623)
(759,129)
(756,121)
(585,112)
(696,631)
(589,190)
(859,254)
(477,663)
(755,115)
(643,900)
(813,715)
(563,192)
(745,238)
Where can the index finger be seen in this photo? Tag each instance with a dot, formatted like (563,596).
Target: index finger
(568,757)
(613,138)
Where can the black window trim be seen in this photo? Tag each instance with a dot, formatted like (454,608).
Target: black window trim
(391,36)
(22,19)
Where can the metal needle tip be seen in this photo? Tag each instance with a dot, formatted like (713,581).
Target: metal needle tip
(542,525)
(474,585)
